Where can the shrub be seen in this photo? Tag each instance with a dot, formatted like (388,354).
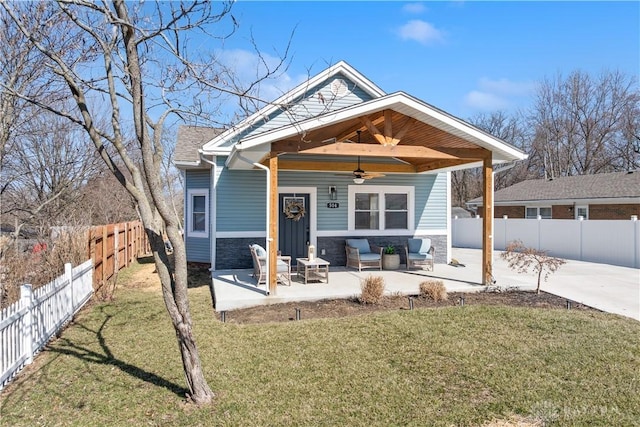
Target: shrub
(433,289)
(372,290)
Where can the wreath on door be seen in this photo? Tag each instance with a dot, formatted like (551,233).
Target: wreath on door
(294,209)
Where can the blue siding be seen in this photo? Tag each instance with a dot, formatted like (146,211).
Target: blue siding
(198,248)
(241,200)
(316,101)
(431,202)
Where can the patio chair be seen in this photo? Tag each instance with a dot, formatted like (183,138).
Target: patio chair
(420,252)
(259,257)
(361,255)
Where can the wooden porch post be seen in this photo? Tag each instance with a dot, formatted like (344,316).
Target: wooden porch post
(487,221)
(273,224)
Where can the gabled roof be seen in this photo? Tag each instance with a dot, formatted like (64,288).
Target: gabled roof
(190,141)
(460,134)
(616,185)
(340,68)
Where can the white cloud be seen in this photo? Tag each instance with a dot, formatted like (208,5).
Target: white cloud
(492,95)
(415,8)
(420,31)
(506,87)
(485,101)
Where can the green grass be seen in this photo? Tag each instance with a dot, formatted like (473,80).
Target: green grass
(119,365)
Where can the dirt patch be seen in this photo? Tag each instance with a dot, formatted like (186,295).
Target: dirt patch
(332,308)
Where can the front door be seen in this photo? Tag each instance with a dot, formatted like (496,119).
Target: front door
(294,225)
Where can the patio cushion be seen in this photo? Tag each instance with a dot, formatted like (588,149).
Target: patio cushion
(260,251)
(369,257)
(281,266)
(419,246)
(362,245)
(419,257)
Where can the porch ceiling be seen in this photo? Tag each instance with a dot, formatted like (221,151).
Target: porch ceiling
(401,143)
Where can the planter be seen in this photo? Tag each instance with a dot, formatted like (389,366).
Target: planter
(390,261)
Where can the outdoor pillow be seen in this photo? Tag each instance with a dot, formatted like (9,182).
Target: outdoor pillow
(260,251)
(419,246)
(362,245)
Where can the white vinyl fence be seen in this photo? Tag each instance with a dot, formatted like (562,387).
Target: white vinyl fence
(27,325)
(615,242)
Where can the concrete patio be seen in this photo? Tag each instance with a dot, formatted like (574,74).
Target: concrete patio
(605,287)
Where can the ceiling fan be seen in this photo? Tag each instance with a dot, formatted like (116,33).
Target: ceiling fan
(360,175)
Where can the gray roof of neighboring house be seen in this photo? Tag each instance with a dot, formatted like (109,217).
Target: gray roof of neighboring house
(597,186)
(190,140)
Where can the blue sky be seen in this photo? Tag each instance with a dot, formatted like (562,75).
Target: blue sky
(463,57)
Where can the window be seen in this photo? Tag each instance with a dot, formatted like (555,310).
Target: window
(380,208)
(533,212)
(198,213)
(582,211)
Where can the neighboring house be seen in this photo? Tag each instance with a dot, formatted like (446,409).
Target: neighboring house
(600,196)
(333,158)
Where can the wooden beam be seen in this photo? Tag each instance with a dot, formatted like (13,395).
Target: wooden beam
(319,166)
(273,225)
(373,130)
(388,128)
(487,221)
(376,150)
(439,164)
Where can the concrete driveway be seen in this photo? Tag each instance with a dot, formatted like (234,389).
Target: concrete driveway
(606,287)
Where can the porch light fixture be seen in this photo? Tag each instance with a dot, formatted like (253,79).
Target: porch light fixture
(358,180)
(333,192)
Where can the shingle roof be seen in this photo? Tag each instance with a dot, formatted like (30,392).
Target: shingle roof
(190,140)
(597,186)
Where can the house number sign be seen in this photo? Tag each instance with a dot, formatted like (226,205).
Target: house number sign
(333,205)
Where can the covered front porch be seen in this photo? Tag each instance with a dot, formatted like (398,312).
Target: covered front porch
(234,289)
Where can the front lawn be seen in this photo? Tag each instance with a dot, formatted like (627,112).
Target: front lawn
(119,365)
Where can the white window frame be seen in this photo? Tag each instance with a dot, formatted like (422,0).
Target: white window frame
(381,190)
(197,192)
(537,208)
(585,207)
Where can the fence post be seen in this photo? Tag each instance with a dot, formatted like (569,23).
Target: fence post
(26,301)
(636,233)
(105,256)
(68,272)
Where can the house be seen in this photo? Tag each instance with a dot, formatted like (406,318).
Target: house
(613,195)
(334,158)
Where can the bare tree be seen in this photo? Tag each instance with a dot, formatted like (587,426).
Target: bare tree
(467,184)
(582,124)
(138,58)
(522,258)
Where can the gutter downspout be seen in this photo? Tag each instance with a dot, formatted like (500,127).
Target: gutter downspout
(212,203)
(269,239)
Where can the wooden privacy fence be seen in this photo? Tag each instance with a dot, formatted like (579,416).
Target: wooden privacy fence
(113,247)
(27,325)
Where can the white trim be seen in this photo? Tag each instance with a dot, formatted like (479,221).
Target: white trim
(575,211)
(547,202)
(189,225)
(381,189)
(313,208)
(213,184)
(449,229)
(402,103)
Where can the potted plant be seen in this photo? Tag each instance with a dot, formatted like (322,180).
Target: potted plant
(390,258)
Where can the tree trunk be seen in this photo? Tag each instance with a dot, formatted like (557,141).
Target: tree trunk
(174,291)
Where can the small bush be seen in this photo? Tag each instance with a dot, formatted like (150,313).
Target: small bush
(433,289)
(372,290)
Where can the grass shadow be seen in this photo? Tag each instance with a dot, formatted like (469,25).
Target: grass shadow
(67,347)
